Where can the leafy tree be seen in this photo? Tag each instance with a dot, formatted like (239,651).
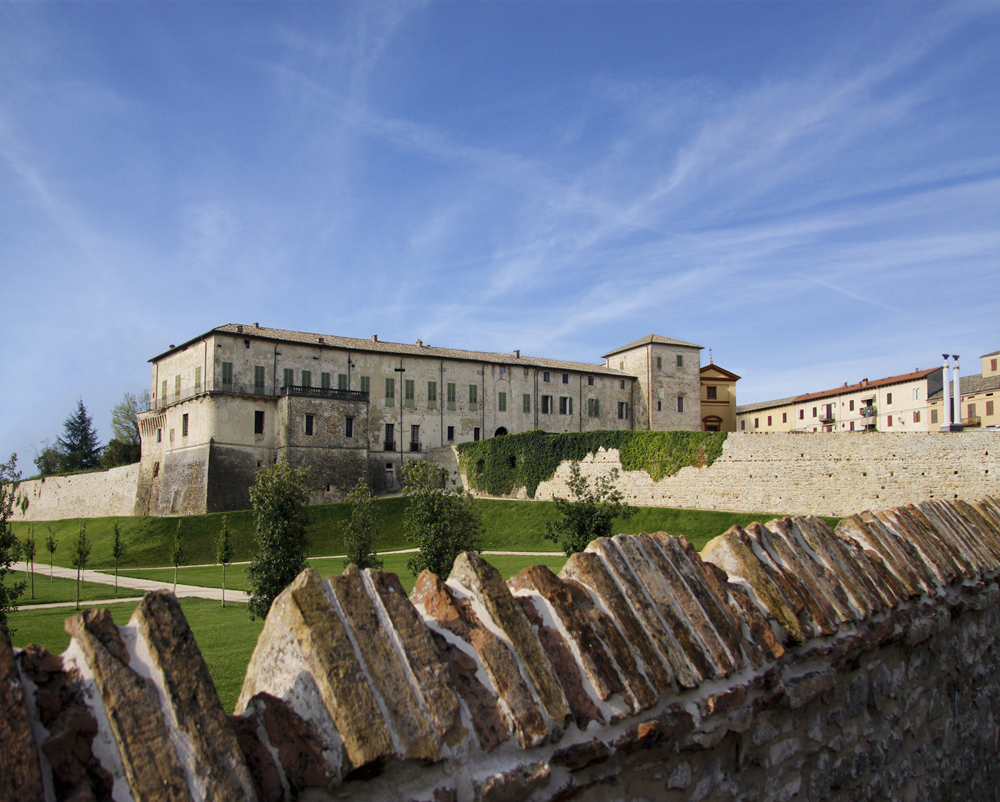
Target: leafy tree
(81,553)
(79,444)
(118,550)
(177,556)
(364,528)
(51,544)
(48,460)
(590,513)
(441,518)
(29,547)
(279,496)
(224,553)
(10,548)
(124,448)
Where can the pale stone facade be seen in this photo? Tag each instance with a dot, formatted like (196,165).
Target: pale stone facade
(240,397)
(718,399)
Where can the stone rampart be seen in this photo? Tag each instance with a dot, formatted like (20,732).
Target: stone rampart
(102,494)
(786,661)
(813,474)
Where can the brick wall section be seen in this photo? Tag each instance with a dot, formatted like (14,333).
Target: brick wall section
(803,474)
(86,495)
(786,661)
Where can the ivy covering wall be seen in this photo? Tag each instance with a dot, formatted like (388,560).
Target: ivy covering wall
(499,465)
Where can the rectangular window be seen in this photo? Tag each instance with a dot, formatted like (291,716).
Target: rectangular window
(593,407)
(408,393)
(852,426)
(348,427)
(916,393)
(451,432)
(177,388)
(814,412)
(711,393)
(259,377)
(768,420)
(527,371)
(590,381)
(390,439)
(502,402)
(366,384)
(972,410)
(341,381)
(473,397)
(184,425)
(197,379)
(227,375)
(850,406)
(258,422)
(659,363)
(989,409)
(565,378)
(680,360)
(390,392)
(916,417)
(680,403)
(756,423)
(309,424)
(934,416)
(324,381)
(288,377)
(565,405)
(888,420)
(307,378)
(163,392)
(545,375)
(621,365)
(784,417)
(159,435)
(993,364)
(503,369)
(432,395)
(526,402)
(888,398)
(802,414)
(414,438)
(659,406)
(623,410)
(451,395)
(743,425)
(546,404)
(475,434)
(623,384)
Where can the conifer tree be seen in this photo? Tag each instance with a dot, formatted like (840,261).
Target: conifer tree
(79,444)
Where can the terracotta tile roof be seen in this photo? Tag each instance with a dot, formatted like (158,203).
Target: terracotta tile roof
(652,339)
(401,349)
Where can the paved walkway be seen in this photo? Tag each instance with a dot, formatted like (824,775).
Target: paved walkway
(192,591)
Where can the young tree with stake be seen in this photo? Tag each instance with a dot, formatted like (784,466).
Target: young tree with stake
(81,553)
(51,544)
(224,554)
(177,555)
(29,547)
(118,550)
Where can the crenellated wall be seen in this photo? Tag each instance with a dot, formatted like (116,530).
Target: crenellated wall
(786,661)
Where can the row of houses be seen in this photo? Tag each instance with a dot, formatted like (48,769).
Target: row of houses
(910,402)
(239,397)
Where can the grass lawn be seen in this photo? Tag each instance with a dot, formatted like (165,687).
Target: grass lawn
(509,526)
(64,590)
(226,637)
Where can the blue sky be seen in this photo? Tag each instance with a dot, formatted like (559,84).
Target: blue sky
(810,189)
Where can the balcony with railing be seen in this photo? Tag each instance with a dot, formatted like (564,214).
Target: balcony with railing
(972,420)
(414,446)
(260,390)
(389,445)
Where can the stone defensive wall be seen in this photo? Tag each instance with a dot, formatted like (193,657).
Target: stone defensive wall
(786,661)
(101,494)
(813,474)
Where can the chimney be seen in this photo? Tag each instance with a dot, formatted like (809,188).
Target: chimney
(517,354)
(420,343)
(374,338)
(256,325)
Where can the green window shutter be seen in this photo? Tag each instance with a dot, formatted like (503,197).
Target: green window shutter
(289,377)
(473,397)
(408,392)
(680,360)
(597,407)
(324,381)
(197,379)
(502,402)
(526,402)
(163,393)
(432,394)
(390,392)
(177,388)
(227,375)
(258,379)
(366,383)
(307,378)
(451,395)
(341,381)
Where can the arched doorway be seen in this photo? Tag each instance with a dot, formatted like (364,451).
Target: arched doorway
(500,432)
(711,423)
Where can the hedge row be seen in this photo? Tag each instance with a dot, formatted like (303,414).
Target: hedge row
(501,464)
